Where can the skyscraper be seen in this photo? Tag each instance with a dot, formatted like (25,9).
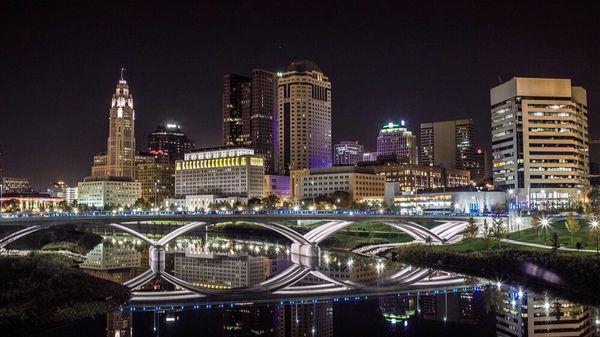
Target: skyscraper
(397,140)
(170,141)
(119,158)
(304,118)
(248,113)
(540,140)
(448,144)
(348,153)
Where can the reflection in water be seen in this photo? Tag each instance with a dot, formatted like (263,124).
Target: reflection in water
(521,313)
(425,303)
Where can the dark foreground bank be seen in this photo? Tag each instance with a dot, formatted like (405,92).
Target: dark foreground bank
(43,290)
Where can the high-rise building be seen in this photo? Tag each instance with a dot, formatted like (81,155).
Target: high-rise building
(396,140)
(119,158)
(540,141)
(304,118)
(348,153)
(448,144)
(168,140)
(480,169)
(249,111)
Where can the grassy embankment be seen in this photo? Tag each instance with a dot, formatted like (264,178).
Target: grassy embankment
(41,290)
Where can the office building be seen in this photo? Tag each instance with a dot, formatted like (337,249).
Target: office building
(108,192)
(224,171)
(216,270)
(481,169)
(448,144)
(71,195)
(304,118)
(170,141)
(396,140)
(119,158)
(540,141)
(412,178)
(249,113)
(15,185)
(369,156)
(348,153)
(157,181)
(360,183)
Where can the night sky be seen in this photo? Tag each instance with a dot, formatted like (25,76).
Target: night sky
(421,61)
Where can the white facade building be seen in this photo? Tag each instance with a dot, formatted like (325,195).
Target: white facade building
(111,191)
(540,141)
(227,172)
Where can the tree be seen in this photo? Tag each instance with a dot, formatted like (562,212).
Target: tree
(572,225)
(142,204)
(471,229)
(594,199)
(486,234)
(341,199)
(555,242)
(270,202)
(498,229)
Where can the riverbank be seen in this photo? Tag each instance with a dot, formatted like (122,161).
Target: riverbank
(575,273)
(41,290)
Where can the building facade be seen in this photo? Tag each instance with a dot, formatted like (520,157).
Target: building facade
(540,140)
(226,171)
(348,153)
(170,141)
(396,140)
(119,158)
(411,177)
(15,185)
(108,192)
(360,183)
(157,181)
(304,118)
(276,185)
(448,144)
(249,113)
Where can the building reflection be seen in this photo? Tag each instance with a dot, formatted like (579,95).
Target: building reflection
(306,319)
(520,313)
(119,324)
(251,320)
(116,259)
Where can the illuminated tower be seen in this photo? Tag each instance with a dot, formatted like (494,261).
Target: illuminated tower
(396,140)
(304,118)
(121,136)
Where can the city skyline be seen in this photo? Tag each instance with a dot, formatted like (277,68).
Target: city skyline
(71,93)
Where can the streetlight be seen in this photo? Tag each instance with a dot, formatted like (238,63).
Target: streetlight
(594,224)
(545,223)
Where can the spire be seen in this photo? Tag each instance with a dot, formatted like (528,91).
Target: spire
(122,72)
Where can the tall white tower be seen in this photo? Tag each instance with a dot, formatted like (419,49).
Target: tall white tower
(120,155)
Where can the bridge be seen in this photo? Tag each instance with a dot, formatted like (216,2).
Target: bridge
(304,253)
